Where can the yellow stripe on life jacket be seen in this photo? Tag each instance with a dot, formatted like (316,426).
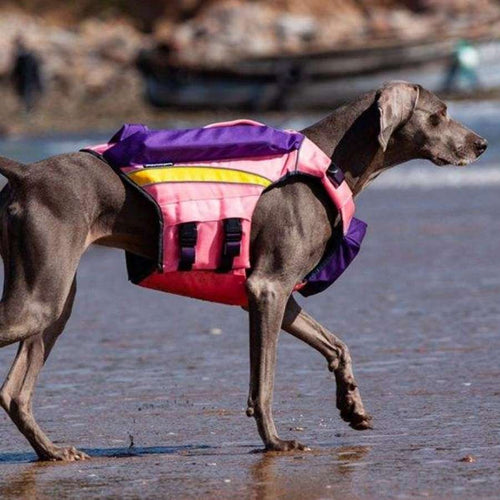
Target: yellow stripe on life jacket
(157,175)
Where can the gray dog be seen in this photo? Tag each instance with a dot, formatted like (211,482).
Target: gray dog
(51,211)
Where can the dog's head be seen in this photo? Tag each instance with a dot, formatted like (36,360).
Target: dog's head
(415,123)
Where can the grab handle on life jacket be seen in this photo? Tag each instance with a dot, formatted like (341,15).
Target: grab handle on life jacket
(335,174)
(188,237)
(232,243)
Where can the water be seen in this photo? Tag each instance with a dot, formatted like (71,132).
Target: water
(419,309)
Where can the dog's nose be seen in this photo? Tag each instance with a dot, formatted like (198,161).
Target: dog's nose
(480,145)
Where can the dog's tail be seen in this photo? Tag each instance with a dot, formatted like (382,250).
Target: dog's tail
(13,170)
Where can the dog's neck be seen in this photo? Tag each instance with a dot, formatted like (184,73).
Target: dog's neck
(350,137)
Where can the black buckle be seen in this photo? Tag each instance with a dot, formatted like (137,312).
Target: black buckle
(232,243)
(188,236)
(335,174)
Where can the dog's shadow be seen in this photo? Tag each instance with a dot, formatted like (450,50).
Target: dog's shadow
(134,451)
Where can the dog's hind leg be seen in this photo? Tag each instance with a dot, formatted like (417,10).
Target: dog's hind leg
(41,248)
(267,300)
(299,324)
(17,391)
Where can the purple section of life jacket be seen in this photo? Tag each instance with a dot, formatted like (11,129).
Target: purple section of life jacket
(333,265)
(137,145)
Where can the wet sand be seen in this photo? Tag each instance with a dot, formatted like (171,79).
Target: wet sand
(419,309)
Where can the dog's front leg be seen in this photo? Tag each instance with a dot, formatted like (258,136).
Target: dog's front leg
(299,324)
(267,300)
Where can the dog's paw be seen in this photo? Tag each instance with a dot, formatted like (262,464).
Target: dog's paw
(70,454)
(282,445)
(351,409)
(361,422)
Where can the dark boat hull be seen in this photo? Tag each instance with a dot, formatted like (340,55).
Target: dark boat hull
(320,80)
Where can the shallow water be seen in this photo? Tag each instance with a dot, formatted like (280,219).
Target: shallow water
(419,310)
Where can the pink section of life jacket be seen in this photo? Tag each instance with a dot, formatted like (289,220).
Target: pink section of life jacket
(209,203)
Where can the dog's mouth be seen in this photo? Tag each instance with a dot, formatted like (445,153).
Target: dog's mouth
(440,162)
(457,162)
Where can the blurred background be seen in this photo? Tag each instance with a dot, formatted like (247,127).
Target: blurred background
(90,65)
(418,308)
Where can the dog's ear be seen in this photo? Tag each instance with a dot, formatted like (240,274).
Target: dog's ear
(13,170)
(396,102)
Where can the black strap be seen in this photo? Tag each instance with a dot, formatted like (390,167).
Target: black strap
(232,243)
(188,236)
(335,174)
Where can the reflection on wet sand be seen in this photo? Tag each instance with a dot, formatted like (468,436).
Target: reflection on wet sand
(293,476)
(21,485)
(323,473)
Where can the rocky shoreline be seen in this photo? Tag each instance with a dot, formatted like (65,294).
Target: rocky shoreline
(89,67)
(88,73)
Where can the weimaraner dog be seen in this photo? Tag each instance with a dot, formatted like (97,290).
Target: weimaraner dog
(51,211)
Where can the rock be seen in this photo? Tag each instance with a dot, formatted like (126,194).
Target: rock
(76,62)
(228,30)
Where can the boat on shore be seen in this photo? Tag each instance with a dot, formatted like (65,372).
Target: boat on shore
(309,81)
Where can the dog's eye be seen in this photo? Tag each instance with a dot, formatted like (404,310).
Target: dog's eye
(435,119)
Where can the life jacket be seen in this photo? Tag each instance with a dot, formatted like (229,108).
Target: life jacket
(205,184)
